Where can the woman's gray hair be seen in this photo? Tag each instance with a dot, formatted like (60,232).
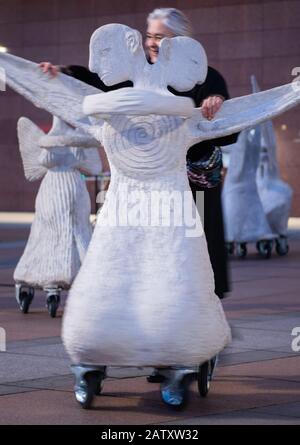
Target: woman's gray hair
(173,19)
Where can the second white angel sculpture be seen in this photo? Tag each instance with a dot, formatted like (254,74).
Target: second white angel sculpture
(256,200)
(61,230)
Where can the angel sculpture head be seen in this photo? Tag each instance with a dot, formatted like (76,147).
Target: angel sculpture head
(116,52)
(182,61)
(117,55)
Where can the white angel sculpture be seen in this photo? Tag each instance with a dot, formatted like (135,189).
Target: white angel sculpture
(256,201)
(244,216)
(150,289)
(275,194)
(61,230)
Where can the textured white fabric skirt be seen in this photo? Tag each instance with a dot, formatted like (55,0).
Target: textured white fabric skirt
(60,232)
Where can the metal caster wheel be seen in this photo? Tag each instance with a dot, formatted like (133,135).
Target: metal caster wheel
(175,396)
(229,248)
(52,305)
(241,250)
(264,248)
(174,390)
(99,386)
(25,299)
(88,384)
(282,247)
(86,390)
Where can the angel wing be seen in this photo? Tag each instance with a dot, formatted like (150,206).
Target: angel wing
(244,112)
(29,135)
(62,95)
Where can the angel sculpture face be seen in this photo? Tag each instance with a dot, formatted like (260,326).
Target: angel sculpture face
(114,52)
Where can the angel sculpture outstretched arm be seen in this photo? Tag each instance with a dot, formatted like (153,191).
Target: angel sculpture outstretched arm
(244,112)
(60,94)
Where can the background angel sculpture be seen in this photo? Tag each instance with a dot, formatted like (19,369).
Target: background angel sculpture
(275,193)
(256,201)
(244,215)
(61,230)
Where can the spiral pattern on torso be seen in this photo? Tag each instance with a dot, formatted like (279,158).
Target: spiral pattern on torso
(145,145)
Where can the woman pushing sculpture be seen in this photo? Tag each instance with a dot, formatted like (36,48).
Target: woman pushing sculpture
(127,305)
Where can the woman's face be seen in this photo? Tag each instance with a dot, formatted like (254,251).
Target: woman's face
(156,31)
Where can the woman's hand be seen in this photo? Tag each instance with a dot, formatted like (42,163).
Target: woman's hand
(47,67)
(211,105)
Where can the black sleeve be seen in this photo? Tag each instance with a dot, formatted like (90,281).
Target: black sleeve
(82,73)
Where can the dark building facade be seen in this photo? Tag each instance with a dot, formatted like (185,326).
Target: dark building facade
(241,38)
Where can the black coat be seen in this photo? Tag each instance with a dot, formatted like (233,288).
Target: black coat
(213,214)
(214,85)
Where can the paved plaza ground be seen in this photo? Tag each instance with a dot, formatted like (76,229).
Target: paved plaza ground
(257,380)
